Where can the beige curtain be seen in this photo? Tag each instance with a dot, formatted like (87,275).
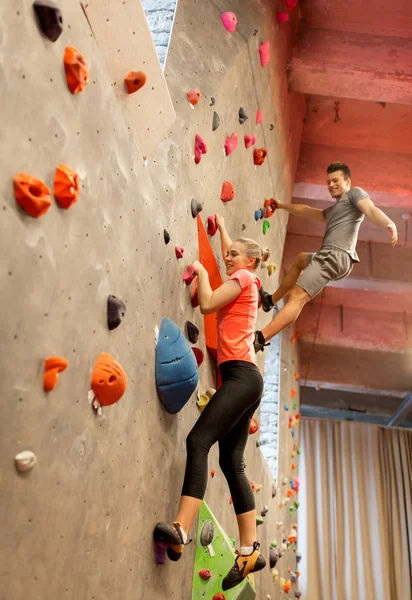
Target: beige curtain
(355,515)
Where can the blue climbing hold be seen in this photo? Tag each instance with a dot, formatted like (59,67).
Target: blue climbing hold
(285,407)
(176,367)
(258,215)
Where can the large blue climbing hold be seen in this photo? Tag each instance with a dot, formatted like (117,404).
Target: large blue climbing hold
(176,367)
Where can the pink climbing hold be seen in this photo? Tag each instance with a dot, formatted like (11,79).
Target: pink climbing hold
(189,275)
(179,251)
(282,17)
(200,148)
(211,225)
(291,4)
(205,574)
(229,20)
(199,354)
(264,51)
(231,143)
(259,117)
(228,192)
(250,140)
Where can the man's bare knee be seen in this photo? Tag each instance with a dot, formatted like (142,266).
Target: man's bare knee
(299,296)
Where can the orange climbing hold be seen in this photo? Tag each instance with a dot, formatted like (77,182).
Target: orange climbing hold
(77,70)
(287,586)
(290,493)
(295,337)
(293,467)
(228,192)
(270,206)
(194,96)
(264,52)
(254,426)
(259,155)
(296,376)
(32,194)
(109,380)
(134,81)
(66,186)
(200,148)
(292,393)
(52,367)
(219,596)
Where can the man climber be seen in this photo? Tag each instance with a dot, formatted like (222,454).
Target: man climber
(311,272)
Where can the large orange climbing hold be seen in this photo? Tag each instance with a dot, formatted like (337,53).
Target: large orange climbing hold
(134,81)
(66,186)
(259,155)
(32,195)
(109,380)
(228,192)
(52,367)
(77,70)
(194,96)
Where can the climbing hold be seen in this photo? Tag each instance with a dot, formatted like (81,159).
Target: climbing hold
(271,268)
(219,596)
(116,310)
(211,225)
(282,17)
(189,275)
(295,337)
(194,300)
(203,401)
(259,520)
(215,121)
(275,575)
(259,155)
(228,193)
(207,533)
(212,101)
(200,148)
(258,443)
(258,214)
(134,81)
(266,226)
(296,376)
(264,52)
(285,407)
(293,535)
(25,460)
(176,368)
(77,70)
(273,557)
(274,489)
(254,426)
(250,140)
(109,381)
(205,574)
(287,586)
(192,332)
(264,510)
(166,236)
(242,115)
(32,195)
(270,206)
(66,186)
(292,393)
(258,487)
(212,473)
(291,4)
(195,207)
(293,466)
(160,551)
(298,594)
(194,96)
(229,20)
(298,557)
(259,117)
(243,228)
(179,251)
(199,354)
(49,18)
(231,143)
(52,367)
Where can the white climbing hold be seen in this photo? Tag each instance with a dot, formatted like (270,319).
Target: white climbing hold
(156,330)
(25,461)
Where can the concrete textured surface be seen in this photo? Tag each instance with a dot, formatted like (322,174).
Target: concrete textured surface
(79,525)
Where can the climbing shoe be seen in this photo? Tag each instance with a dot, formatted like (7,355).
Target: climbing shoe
(171,534)
(260,342)
(243,566)
(267,302)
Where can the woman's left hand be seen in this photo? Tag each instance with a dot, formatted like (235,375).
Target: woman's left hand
(198,267)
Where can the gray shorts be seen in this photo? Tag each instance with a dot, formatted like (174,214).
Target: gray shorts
(329,264)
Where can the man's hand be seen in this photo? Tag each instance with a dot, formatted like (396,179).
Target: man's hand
(260,342)
(277,202)
(394,232)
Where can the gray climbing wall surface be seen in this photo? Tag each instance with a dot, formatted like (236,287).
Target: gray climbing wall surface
(79,524)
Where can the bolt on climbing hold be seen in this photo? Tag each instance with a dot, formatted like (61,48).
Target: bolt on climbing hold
(287,586)
(25,460)
(264,52)
(166,236)
(134,81)
(192,332)
(207,533)
(295,337)
(298,594)
(205,574)
(49,18)
(265,510)
(250,140)
(229,20)
(160,551)
(254,426)
(298,557)
(203,399)
(259,155)
(77,70)
(200,148)
(194,96)
(116,309)
(212,101)
(212,473)
(199,355)
(231,143)
(282,17)
(179,251)
(259,117)
(109,381)
(296,376)
(242,115)
(53,365)
(32,194)
(215,121)
(66,186)
(195,207)
(211,225)
(270,206)
(266,226)
(271,268)
(189,274)
(285,407)
(228,192)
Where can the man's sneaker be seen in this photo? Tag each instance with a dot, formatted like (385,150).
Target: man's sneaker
(171,534)
(267,302)
(243,566)
(259,342)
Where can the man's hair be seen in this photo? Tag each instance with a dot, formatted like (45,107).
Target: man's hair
(339,166)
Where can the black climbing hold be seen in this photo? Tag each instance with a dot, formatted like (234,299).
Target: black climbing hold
(207,533)
(262,212)
(273,557)
(255,32)
(116,310)
(243,227)
(192,332)
(212,101)
(272,127)
(242,116)
(195,207)
(216,121)
(49,17)
(166,236)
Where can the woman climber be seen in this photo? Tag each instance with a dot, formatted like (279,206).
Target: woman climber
(226,418)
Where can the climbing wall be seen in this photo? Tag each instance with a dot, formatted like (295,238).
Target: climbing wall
(79,523)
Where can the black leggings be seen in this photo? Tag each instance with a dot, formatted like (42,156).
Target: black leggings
(225,419)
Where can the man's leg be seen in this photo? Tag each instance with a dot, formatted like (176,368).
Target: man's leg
(289,281)
(289,313)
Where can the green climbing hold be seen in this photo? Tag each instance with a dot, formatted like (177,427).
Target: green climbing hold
(295,405)
(266,226)
(259,520)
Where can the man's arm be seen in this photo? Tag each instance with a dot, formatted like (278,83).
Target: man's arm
(225,241)
(301,210)
(378,217)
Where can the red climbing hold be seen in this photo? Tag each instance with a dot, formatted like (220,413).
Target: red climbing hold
(228,192)
(194,96)
(66,186)
(259,116)
(211,225)
(250,140)
(259,155)
(229,20)
(291,4)
(254,426)
(200,148)
(32,195)
(189,275)
(270,206)
(134,81)
(52,367)
(199,354)
(282,17)
(264,52)
(212,473)
(194,300)
(205,574)
(295,337)
(231,143)
(109,380)
(219,596)
(77,70)
(179,251)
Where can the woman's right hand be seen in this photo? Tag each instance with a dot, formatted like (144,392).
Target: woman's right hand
(220,221)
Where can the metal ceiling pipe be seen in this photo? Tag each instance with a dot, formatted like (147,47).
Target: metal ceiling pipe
(402,411)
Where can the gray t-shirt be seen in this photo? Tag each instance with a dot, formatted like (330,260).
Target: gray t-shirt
(343,221)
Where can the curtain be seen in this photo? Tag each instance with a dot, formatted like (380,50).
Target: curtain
(355,515)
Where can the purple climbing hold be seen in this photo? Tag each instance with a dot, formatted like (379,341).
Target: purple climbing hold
(192,332)
(49,17)
(116,310)
(273,557)
(160,551)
